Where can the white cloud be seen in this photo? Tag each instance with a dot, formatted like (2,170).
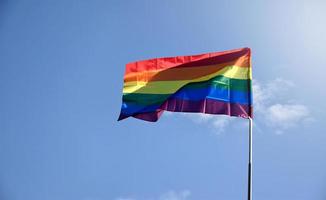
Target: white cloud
(170,195)
(272,92)
(199,117)
(286,115)
(221,123)
(273,107)
(218,122)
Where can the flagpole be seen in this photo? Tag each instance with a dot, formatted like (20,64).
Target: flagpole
(250,161)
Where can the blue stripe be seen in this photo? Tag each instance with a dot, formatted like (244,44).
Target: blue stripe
(130,108)
(211,92)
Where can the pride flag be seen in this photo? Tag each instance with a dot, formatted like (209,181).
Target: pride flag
(212,83)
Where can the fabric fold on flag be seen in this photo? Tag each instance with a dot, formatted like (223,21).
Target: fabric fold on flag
(213,83)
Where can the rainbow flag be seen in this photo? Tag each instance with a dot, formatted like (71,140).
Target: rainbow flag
(212,83)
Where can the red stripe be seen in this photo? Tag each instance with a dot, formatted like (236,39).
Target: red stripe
(186,61)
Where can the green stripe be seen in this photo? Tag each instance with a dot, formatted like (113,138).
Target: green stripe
(222,81)
(145,99)
(218,82)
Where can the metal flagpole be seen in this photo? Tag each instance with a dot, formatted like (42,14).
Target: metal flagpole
(250,161)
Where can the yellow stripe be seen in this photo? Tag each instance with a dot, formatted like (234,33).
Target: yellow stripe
(168,87)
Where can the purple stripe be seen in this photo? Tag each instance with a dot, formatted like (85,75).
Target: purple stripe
(208,106)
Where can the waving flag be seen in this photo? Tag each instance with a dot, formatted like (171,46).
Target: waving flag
(212,83)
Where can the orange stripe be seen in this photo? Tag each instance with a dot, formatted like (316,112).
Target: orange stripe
(184,73)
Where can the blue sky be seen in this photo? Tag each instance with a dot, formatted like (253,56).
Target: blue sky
(61,75)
